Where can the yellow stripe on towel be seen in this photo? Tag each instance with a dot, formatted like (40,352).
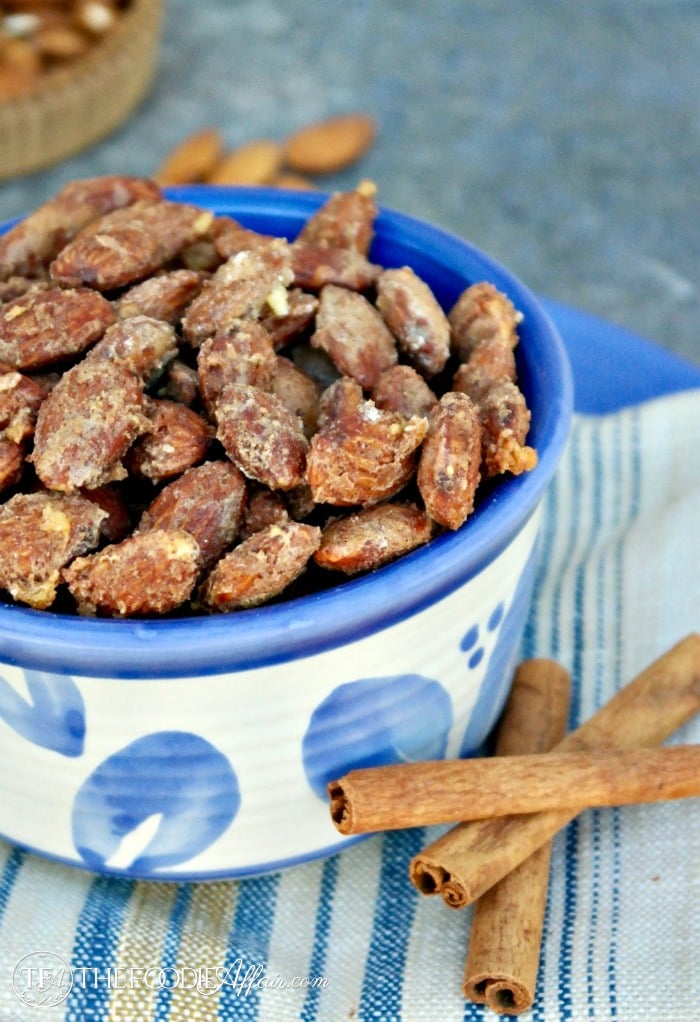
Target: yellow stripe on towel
(141,944)
(203,949)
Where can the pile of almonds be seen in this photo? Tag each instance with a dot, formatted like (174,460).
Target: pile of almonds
(194,415)
(37,36)
(323,147)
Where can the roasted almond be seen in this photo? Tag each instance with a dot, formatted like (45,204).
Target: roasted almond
(193,159)
(331,145)
(254,163)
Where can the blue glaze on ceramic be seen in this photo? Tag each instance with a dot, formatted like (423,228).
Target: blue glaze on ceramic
(298,628)
(375,721)
(172,774)
(55,716)
(499,673)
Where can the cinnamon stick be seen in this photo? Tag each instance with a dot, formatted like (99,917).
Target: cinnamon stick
(448,791)
(505,935)
(473,856)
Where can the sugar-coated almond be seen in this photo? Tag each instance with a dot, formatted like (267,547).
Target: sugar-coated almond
(207,501)
(262,436)
(261,567)
(86,425)
(372,537)
(449,469)
(29,246)
(147,573)
(40,533)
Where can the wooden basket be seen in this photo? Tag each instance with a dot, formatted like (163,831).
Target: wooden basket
(75,106)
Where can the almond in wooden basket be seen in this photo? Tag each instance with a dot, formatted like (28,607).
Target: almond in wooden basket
(330,145)
(193,159)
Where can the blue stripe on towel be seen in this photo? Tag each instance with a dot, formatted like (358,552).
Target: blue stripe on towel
(324,913)
(633,513)
(95,947)
(170,948)
(9,875)
(246,960)
(599,667)
(393,916)
(572,834)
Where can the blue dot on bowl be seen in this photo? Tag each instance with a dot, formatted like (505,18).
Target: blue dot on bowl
(375,721)
(496,617)
(476,657)
(470,638)
(54,715)
(499,671)
(175,775)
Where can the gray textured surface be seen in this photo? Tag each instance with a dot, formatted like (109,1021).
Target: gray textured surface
(563,138)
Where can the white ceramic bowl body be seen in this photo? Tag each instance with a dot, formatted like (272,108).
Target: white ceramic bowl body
(200,748)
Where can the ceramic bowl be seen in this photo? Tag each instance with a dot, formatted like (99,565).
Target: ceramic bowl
(200,748)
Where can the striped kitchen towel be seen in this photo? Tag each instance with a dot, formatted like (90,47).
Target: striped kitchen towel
(349,938)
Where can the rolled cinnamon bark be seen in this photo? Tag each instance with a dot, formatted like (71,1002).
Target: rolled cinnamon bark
(505,935)
(448,791)
(473,856)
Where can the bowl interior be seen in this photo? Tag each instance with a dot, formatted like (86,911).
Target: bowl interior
(295,628)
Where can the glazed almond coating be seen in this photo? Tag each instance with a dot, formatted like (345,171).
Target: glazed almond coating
(264,507)
(242,354)
(260,567)
(164,297)
(207,501)
(490,359)
(11,463)
(449,467)
(288,326)
(48,325)
(40,533)
(242,288)
(15,287)
(86,425)
(129,244)
(414,316)
(178,439)
(29,246)
(143,344)
(314,266)
(229,237)
(401,389)
(147,573)
(505,419)
(262,437)
(481,312)
(20,399)
(362,455)
(180,383)
(298,392)
(372,537)
(354,335)
(346,220)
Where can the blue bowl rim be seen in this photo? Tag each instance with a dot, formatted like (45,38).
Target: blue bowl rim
(286,631)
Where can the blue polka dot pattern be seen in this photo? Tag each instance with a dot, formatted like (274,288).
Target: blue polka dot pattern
(375,721)
(54,718)
(496,684)
(172,774)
